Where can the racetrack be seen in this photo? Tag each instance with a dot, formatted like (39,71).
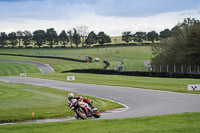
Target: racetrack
(44,68)
(139,102)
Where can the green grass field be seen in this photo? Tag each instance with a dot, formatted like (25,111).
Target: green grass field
(18,101)
(133,57)
(167,84)
(176,123)
(8,69)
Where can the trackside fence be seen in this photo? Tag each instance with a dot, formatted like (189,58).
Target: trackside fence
(176,69)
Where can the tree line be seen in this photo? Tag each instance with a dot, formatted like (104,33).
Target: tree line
(144,36)
(50,37)
(77,36)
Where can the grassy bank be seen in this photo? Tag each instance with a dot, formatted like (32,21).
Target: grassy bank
(8,69)
(176,123)
(167,84)
(18,101)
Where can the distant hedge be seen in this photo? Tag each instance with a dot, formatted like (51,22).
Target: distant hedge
(52,57)
(73,47)
(136,73)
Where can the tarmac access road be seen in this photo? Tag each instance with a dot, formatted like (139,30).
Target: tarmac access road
(44,68)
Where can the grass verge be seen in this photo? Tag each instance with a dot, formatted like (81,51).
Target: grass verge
(175,123)
(18,101)
(8,69)
(167,84)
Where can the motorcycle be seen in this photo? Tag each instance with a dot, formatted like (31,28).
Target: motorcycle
(83,110)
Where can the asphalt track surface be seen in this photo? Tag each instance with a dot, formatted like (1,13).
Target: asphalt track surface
(138,102)
(44,68)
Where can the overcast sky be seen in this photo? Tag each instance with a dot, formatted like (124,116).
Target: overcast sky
(111,16)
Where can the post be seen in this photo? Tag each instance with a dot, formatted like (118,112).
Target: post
(190,69)
(167,69)
(198,69)
(160,68)
(181,68)
(174,68)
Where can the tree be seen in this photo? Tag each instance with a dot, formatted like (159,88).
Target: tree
(13,39)
(27,38)
(64,38)
(82,31)
(76,37)
(140,37)
(182,28)
(103,38)
(39,37)
(20,36)
(70,37)
(3,39)
(165,34)
(192,46)
(152,36)
(182,48)
(51,36)
(127,36)
(91,39)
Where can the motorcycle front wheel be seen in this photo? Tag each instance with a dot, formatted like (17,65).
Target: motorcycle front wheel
(80,113)
(96,114)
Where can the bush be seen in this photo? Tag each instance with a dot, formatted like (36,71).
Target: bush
(136,73)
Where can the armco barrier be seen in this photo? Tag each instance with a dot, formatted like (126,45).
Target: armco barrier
(136,73)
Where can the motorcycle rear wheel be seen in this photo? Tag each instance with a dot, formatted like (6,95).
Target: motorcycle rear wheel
(80,113)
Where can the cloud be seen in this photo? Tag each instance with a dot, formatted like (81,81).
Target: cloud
(43,9)
(69,9)
(142,8)
(7,1)
(111,16)
(113,26)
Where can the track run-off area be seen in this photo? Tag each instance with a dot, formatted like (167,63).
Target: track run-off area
(44,68)
(137,102)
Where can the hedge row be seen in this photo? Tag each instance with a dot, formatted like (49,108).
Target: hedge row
(93,46)
(51,57)
(136,73)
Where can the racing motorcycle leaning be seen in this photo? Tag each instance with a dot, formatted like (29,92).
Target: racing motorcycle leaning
(83,110)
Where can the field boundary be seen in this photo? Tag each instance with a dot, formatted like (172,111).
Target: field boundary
(44,68)
(51,57)
(136,73)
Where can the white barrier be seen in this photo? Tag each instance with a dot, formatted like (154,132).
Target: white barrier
(22,74)
(70,78)
(193,87)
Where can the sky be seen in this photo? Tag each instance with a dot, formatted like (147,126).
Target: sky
(111,16)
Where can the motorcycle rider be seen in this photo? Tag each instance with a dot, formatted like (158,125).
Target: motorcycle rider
(86,100)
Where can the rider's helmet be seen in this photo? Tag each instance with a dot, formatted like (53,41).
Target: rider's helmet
(70,96)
